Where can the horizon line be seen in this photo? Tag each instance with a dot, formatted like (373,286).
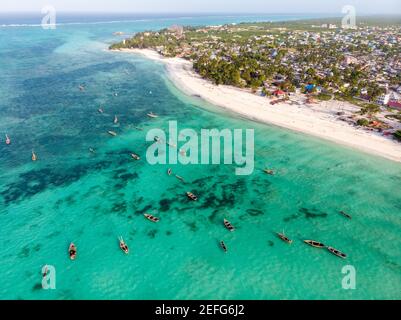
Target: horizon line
(194,13)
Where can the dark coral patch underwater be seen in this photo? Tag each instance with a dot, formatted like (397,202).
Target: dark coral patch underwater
(34,182)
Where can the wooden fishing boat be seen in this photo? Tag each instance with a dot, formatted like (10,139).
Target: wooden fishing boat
(115,119)
(34,156)
(72,250)
(228,225)
(151,218)
(135,156)
(123,245)
(315,244)
(269,172)
(152,115)
(337,253)
(172,145)
(191,196)
(345,214)
(283,237)
(223,246)
(8,140)
(100,110)
(45,272)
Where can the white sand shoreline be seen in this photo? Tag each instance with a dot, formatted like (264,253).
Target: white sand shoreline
(319,120)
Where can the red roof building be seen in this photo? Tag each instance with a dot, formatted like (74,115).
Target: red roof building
(279,93)
(395,104)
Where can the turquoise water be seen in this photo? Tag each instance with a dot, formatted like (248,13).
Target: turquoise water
(70,194)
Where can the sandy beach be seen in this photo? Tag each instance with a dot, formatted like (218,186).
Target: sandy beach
(318,119)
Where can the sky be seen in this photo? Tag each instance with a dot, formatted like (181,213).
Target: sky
(204,6)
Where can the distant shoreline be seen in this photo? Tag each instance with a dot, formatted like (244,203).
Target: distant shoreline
(319,120)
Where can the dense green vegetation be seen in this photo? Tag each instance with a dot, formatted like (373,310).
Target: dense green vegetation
(324,97)
(363,122)
(370,109)
(397,135)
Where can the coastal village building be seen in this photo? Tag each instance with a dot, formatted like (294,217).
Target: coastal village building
(363,63)
(383,99)
(395,104)
(279,93)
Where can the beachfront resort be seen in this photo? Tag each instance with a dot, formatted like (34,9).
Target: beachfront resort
(302,63)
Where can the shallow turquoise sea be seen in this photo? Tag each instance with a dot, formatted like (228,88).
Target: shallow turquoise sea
(71,195)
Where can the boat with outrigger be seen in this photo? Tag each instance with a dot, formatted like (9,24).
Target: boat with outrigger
(315,244)
(228,225)
(123,245)
(283,237)
(112,133)
(8,140)
(135,156)
(72,251)
(223,246)
(152,115)
(151,217)
(191,196)
(337,253)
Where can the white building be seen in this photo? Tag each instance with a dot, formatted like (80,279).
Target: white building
(394,96)
(383,99)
